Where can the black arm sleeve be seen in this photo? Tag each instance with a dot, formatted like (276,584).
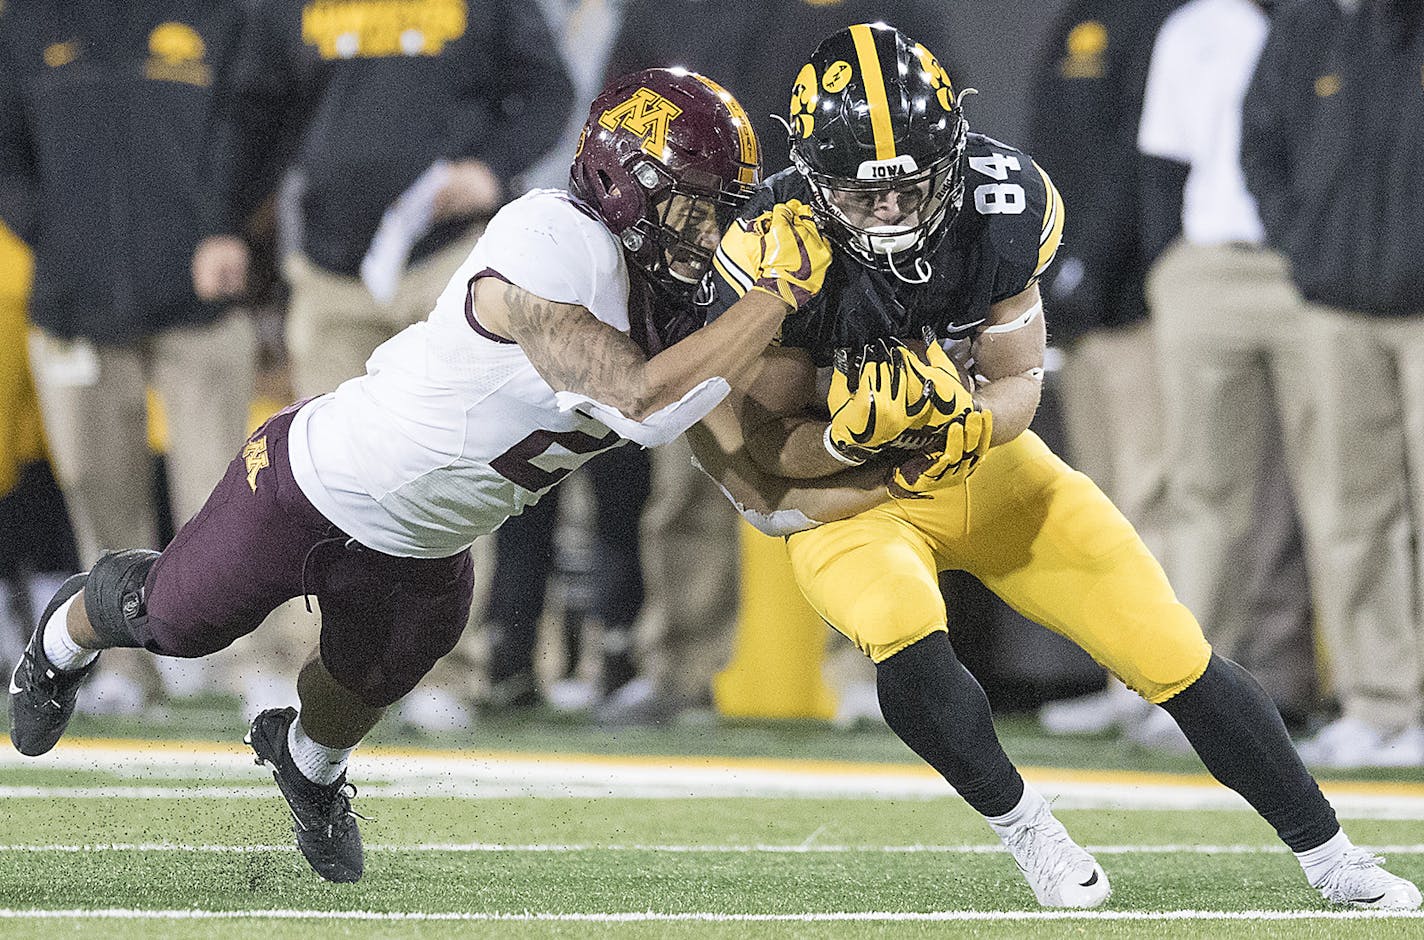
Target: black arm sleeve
(528,95)
(1161,184)
(18,185)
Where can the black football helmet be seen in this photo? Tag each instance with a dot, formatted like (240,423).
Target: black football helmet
(873,113)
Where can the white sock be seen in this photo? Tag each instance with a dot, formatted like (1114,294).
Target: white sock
(59,647)
(1028,805)
(1318,861)
(317,762)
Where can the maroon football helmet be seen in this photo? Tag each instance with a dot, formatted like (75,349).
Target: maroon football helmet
(665,159)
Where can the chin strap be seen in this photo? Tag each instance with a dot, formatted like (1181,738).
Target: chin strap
(922,269)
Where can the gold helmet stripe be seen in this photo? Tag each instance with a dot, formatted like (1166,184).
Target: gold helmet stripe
(746,135)
(874,81)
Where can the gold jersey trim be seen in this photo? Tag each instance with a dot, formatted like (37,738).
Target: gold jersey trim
(1051,235)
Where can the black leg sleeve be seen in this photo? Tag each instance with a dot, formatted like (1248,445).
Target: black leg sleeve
(524,559)
(1240,737)
(936,707)
(622,483)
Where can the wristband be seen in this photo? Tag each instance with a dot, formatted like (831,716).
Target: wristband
(835,451)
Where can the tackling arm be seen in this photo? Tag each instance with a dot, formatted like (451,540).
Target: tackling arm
(576,352)
(650,401)
(774,408)
(776,505)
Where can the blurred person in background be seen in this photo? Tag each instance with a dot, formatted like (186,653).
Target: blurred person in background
(408,124)
(1083,115)
(1333,150)
(605,588)
(1235,349)
(106,111)
(940,236)
(36,544)
(691,539)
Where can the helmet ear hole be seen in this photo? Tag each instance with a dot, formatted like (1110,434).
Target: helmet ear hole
(606,182)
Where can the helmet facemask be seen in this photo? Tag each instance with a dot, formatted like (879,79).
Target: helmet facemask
(918,201)
(683,221)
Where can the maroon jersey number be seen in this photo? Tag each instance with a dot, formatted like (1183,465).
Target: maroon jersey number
(517,464)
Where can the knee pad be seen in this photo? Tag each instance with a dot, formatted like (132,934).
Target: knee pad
(114,596)
(381,653)
(898,611)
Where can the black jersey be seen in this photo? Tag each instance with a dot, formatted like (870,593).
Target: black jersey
(997,246)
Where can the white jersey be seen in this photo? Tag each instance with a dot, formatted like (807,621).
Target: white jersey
(451,430)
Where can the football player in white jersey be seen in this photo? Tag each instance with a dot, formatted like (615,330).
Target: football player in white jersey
(574,326)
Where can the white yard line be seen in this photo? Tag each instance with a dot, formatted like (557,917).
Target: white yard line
(229,773)
(556,848)
(709,917)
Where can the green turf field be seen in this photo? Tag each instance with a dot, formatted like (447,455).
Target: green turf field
(165,841)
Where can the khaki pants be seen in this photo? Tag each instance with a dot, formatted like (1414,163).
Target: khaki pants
(1240,355)
(691,555)
(1112,413)
(94,402)
(334,324)
(1374,415)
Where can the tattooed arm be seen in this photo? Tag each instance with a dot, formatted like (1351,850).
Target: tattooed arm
(576,352)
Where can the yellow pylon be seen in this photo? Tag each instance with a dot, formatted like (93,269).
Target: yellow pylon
(775,670)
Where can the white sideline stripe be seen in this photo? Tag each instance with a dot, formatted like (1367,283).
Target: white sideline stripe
(555,848)
(1062,794)
(704,916)
(482,776)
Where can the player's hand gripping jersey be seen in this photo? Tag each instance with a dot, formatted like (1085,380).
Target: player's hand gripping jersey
(452,430)
(997,246)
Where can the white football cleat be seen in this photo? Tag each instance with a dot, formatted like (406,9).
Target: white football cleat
(1359,880)
(1059,870)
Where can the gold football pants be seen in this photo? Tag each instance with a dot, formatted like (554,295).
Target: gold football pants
(1037,533)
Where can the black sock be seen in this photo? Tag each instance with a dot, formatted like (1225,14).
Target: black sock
(936,707)
(1240,737)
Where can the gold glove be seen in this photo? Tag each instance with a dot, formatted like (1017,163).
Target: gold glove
(956,453)
(794,254)
(884,396)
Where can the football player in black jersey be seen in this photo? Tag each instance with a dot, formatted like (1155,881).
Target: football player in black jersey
(929,337)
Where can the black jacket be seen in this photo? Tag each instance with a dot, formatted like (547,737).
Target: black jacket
(1333,151)
(1083,116)
(104,112)
(369,94)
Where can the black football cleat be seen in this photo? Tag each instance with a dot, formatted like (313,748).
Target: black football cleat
(41,696)
(324,823)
